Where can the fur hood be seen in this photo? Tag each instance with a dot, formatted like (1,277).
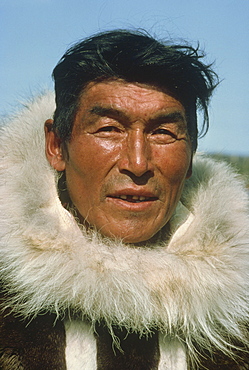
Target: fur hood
(194,287)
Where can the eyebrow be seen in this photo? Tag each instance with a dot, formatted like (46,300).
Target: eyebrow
(108,112)
(171,117)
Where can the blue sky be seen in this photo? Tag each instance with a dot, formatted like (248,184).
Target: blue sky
(35,34)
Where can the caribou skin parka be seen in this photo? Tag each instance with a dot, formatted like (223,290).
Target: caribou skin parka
(71,299)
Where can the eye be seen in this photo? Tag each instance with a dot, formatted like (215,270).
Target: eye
(108,129)
(163,131)
(108,132)
(163,136)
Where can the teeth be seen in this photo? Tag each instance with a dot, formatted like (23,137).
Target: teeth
(132,198)
(135,197)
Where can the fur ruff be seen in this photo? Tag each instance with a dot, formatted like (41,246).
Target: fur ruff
(194,287)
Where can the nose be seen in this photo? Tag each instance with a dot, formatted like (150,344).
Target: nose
(136,154)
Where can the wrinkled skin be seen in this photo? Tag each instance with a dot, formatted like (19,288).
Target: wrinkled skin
(127,159)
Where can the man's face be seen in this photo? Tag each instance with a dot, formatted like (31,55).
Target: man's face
(128,157)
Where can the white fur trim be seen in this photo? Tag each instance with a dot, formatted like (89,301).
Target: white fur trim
(172,354)
(196,285)
(81,352)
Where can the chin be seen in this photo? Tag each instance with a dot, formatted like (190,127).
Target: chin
(125,236)
(133,237)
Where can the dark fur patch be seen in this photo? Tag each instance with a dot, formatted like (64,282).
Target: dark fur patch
(138,353)
(219,361)
(34,345)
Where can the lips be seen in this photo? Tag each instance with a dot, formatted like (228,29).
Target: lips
(134,197)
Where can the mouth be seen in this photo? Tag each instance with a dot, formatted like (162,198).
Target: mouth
(134,198)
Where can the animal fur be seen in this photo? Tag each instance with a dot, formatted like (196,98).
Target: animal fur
(194,287)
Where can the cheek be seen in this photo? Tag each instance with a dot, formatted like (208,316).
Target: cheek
(174,162)
(90,162)
(90,156)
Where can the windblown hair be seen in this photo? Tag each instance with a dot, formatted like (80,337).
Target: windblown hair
(134,57)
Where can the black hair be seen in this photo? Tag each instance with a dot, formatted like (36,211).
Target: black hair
(133,56)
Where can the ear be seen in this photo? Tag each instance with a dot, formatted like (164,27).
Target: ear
(189,172)
(53,147)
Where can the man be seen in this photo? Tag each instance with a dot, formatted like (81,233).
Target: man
(118,250)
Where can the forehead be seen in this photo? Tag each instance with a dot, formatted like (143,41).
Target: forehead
(133,98)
